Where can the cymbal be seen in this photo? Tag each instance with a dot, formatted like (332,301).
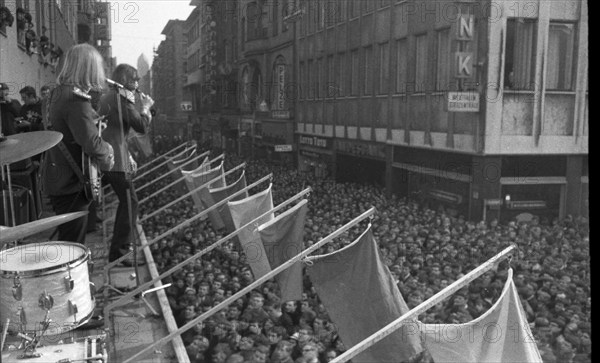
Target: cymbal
(22,146)
(31,228)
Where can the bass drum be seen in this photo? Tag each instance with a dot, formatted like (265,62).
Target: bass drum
(47,280)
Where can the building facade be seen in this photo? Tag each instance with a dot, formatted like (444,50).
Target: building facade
(479,107)
(168,79)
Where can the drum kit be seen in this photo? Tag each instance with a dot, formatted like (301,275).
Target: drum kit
(45,287)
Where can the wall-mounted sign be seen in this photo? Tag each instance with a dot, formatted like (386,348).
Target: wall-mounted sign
(527,204)
(186,106)
(313,141)
(280,101)
(283,148)
(463,102)
(361,148)
(280,114)
(445,196)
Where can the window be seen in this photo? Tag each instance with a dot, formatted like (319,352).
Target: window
(275,17)
(309,78)
(353,76)
(561,56)
(2,25)
(519,62)
(420,62)
(302,75)
(341,69)
(368,71)
(318,78)
(353,8)
(443,60)
(401,69)
(331,82)
(384,67)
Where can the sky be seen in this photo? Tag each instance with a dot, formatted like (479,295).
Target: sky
(137,26)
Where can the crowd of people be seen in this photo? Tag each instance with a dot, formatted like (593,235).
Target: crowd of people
(425,250)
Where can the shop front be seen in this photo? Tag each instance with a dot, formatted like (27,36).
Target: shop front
(315,156)
(274,140)
(360,161)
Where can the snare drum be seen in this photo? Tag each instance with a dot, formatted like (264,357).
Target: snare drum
(46,278)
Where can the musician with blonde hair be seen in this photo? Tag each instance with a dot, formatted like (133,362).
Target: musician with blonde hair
(126,109)
(67,166)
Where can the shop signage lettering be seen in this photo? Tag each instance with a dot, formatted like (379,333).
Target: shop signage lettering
(464,33)
(527,204)
(493,202)
(280,114)
(281,87)
(361,149)
(463,102)
(310,154)
(313,141)
(445,196)
(283,148)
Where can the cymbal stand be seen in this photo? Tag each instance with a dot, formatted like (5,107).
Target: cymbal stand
(10,196)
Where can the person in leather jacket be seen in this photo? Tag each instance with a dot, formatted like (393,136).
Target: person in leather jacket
(135,115)
(70,112)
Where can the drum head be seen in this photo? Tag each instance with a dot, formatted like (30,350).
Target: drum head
(41,256)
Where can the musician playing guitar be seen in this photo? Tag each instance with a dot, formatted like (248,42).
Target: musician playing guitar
(71,113)
(132,113)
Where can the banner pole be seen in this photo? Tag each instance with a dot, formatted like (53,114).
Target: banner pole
(205,251)
(192,219)
(205,185)
(172,171)
(139,176)
(173,183)
(253,285)
(424,306)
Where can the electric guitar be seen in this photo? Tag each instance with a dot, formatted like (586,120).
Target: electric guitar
(93,173)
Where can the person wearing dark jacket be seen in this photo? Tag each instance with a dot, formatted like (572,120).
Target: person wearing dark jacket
(117,130)
(9,110)
(70,112)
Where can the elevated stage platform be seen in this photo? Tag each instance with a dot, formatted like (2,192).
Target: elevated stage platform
(114,338)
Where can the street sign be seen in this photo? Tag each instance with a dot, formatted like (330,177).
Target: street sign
(463,102)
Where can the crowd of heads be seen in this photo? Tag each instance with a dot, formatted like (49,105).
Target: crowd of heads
(424,249)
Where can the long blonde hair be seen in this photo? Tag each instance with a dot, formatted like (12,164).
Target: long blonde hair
(83,67)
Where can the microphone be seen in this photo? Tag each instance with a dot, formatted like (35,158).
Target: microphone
(113,83)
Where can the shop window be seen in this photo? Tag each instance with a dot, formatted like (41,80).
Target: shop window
(368,71)
(353,77)
(443,60)
(519,59)
(420,62)
(561,56)
(384,67)
(401,70)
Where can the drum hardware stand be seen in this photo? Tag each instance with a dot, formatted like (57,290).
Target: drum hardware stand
(32,342)
(4,332)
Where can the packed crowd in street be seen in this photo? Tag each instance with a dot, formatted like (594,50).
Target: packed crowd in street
(424,249)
